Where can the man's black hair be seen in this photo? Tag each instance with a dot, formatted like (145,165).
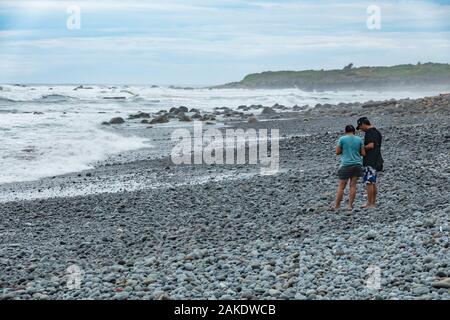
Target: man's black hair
(361,121)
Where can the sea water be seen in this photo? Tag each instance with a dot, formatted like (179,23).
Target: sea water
(48,130)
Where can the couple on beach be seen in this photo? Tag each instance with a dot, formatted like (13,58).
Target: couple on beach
(359,159)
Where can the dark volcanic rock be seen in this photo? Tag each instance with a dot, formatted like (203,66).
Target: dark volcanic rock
(159,119)
(82,87)
(208,117)
(279,107)
(116,120)
(139,115)
(268,111)
(183,117)
(183,109)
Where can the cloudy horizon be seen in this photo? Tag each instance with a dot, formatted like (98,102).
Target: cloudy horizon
(203,42)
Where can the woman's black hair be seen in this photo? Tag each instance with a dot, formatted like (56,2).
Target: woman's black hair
(350,128)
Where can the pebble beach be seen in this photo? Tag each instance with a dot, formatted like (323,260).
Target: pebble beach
(138,226)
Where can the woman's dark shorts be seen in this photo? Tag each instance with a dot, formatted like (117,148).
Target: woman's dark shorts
(348,172)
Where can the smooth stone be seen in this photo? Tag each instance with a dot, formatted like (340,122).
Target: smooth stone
(421,290)
(445,283)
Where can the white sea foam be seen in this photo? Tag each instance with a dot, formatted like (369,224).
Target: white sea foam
(54,151)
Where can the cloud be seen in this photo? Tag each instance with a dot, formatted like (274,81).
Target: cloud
(101,5)
(210,36)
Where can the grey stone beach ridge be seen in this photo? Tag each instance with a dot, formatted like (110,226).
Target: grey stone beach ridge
(139,227)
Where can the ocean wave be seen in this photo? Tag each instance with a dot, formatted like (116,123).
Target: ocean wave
(8,100)
(56,98)
(48,157)
(115,98)
(5,111)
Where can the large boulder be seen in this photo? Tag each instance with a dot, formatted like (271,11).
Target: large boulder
(173,110)
(139,115)
(116,120)
(222,111)
(183,117)
(268,111)
(82,87)
(279,106)
(208,117)
(298,108)
(159,119)
(183,109)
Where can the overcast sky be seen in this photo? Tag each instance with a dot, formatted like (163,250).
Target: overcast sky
(200,42)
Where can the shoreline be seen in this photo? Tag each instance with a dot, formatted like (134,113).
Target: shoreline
(261,237)
(159,135)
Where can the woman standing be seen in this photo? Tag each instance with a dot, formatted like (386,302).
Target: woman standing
(351,149)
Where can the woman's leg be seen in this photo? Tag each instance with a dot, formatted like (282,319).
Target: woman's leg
(352,195)
(340,193)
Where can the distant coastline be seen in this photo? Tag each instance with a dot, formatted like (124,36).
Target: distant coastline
(407,76)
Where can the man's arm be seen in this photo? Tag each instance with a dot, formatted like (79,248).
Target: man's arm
(363,151)
(369,146)
(370,139)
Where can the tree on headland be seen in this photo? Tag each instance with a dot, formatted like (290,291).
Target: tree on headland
(348,67)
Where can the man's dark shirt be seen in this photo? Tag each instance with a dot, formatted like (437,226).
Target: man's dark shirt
(373,156)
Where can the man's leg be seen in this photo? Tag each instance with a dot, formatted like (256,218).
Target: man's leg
(352,195)
(370,178)
(340,193)
(373,188)
(370,194)
(374,194)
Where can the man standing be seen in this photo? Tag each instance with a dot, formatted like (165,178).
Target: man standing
(351,149)
(373,161)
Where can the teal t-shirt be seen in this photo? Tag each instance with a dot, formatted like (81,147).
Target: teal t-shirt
(350,145)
